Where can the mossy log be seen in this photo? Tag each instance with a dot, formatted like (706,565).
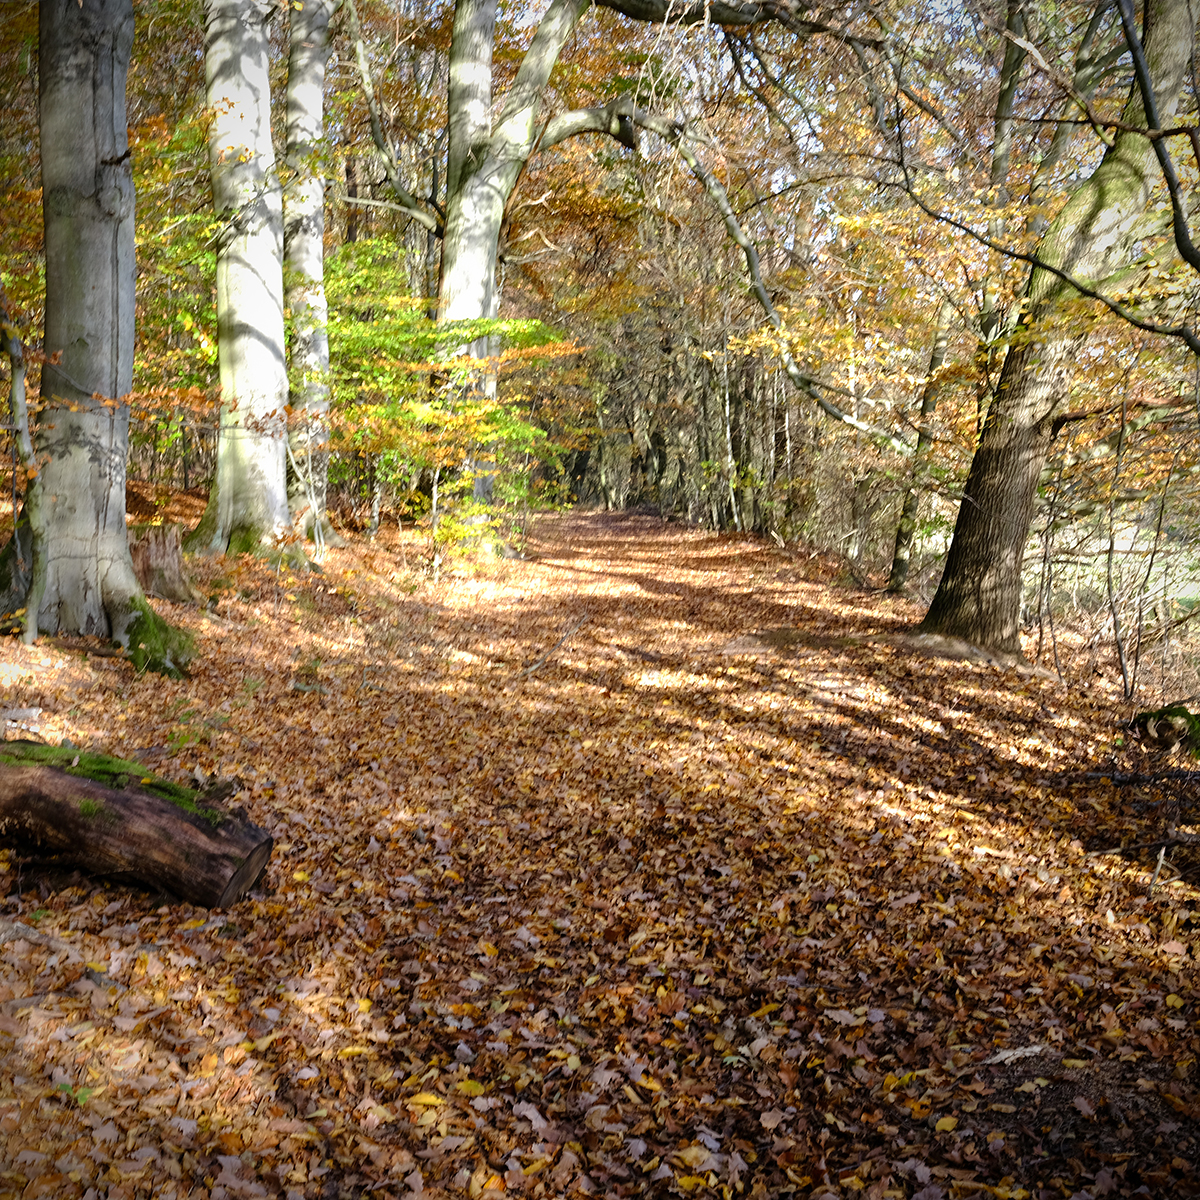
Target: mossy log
(111,817)
(1171,727)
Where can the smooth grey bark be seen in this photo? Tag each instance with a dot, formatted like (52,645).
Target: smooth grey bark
(1092,63)
(979,597)
(485,159)
(1002,142)
(304,266)
(486,153)
(16,559)
(82,577)
(247,505)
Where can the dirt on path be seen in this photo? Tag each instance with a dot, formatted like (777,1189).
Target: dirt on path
(571,896)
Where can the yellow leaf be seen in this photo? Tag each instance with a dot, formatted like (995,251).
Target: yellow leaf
(470,1087)
(1174,1001)
(690,1183)
(454,875)
(946,1124)
(573,1062)
(692,1156)
(364,1006)
(762,1012)
(300,876)
(1074,1062)
(488,949)
(352,1051)
(98,966)
(193,924)
(383,1115)
(263,1042)
(426,1098)
(538,1164)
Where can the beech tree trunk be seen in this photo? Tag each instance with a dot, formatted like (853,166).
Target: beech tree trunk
(81,565)
(304,265)
(979,597)
(247,506)
(81,578)
(484,160)
(160,834)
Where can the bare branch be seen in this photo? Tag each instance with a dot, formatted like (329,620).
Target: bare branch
(728,13)
(1183,332)
(1141,69)
(675,135)
(614,118)
(407,201)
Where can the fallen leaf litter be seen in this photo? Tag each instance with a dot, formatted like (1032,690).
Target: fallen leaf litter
(567,900)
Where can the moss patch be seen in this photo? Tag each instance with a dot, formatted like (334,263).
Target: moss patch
(153,645)
(115,773)
(245,539)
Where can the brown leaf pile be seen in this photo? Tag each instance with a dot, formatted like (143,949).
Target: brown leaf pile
(568,900)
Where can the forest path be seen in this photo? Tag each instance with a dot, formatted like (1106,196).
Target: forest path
(567,898)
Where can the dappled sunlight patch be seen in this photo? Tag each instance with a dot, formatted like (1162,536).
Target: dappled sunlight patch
(563,897)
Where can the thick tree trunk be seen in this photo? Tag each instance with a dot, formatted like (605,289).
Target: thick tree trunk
(247,506)
(474,210)
(979,598)
(81,557)
(158,833)
(82,579)
(304,266)
(484,160)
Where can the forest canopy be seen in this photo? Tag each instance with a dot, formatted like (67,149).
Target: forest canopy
(776,821)
(763,269)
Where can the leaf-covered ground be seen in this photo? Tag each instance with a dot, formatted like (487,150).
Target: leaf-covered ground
(569,899)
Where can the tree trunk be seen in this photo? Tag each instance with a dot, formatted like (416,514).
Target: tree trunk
(485,161)
(157,554)
(304,266)
(910,505)
(979,597)
(82,578)
(247,506)
(163,835)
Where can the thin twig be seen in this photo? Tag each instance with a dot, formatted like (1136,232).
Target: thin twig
(10,931)
(1162,853)
(542,661)
(1123,779)
(1176,838)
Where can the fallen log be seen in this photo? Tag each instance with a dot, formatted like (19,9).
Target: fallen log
(112,817)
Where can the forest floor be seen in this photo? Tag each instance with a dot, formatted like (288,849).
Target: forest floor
(580,889)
